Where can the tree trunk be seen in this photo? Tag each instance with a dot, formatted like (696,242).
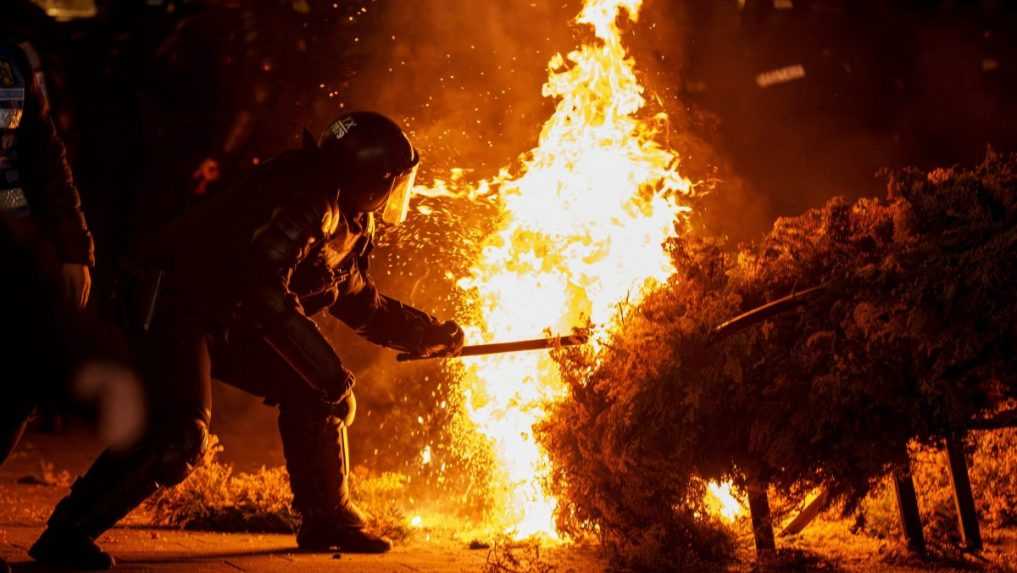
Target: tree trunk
(907,506)
(967,515)
(762,526)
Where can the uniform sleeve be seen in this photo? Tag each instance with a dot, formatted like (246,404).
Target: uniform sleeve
(314,281)
(277,248)
(381,319)
(55,198)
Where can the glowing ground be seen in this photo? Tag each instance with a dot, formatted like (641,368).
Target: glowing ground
(24,508)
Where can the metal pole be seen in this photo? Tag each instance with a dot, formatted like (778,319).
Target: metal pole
(502,347)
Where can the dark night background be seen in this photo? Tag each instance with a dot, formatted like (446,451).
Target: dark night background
(146,92)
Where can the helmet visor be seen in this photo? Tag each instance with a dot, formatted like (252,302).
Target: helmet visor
(398,204)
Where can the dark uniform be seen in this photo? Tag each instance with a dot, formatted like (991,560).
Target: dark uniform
(39,206)
(35,180)
(313,435)
(234,276)
(44,235)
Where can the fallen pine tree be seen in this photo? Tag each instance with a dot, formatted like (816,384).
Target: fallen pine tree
(911,336)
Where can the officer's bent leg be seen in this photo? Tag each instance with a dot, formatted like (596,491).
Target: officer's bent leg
(176,371)
(311,435)
(312,431)
(314,440)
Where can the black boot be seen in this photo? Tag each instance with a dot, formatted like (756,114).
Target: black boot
(112,487)
(342,530)
(70,549)
(317,458)
(4,568)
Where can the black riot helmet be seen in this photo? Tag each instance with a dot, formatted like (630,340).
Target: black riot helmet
(374,161)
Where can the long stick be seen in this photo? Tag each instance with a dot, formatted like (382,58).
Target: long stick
(767,310)
(502,347)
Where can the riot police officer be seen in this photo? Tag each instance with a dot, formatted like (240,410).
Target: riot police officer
(46,242)
(245,262)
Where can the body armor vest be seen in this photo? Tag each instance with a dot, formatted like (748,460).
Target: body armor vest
(16,84)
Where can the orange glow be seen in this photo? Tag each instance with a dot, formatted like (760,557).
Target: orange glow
(721,502)
(583,224)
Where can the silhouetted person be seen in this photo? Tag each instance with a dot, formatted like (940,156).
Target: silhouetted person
(244,262)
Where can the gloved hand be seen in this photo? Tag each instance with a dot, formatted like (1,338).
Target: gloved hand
(445,339)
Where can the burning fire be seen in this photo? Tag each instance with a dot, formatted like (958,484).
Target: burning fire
(582,232)
(720,501)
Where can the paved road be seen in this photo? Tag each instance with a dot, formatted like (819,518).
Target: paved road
(25,507)
(140,550)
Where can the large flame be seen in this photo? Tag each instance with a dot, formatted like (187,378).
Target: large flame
(582,232)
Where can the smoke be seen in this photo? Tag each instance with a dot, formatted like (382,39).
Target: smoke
(863,85)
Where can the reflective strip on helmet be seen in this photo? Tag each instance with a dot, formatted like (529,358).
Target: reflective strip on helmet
(342,126)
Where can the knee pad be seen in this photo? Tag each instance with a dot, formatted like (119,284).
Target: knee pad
(181,453)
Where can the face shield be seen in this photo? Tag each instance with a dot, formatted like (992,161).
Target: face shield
(397,207)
